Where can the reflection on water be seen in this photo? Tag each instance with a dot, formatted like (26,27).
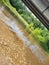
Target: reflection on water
(14,27)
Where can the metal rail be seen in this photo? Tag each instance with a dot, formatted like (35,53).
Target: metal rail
(37,12)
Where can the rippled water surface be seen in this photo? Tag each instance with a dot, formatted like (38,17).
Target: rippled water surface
(14,27)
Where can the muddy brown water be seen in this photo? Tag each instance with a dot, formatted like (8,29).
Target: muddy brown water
(15,47)
(12,49)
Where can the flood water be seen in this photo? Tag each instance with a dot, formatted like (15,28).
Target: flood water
(14,27)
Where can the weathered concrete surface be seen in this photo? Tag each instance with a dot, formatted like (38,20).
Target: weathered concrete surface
(46,13)
(40,5)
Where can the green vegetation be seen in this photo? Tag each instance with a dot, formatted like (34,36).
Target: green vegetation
(33,25)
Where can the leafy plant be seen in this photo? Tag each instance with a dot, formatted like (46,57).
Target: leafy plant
(33,25)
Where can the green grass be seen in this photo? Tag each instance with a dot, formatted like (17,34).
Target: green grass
(7,3)
(39,34)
